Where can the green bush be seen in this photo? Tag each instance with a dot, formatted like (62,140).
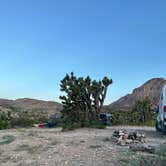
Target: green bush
(40,119)
(22,122)
(5,120)
(131,118)
(143,109)
(96,124)
(28,120)
(70,126)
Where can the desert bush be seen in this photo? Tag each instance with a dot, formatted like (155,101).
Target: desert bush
(143,109)
(68,125)
(40,119)
(22,121)
(131,118)
(124,117)
(96,124)
(157,157)
(5,120)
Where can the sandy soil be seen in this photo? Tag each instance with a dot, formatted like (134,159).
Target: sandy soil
(51,147)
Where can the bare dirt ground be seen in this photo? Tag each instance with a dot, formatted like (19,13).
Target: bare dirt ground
(82,147)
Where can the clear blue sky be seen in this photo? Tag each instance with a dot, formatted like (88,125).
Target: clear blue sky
(42,40)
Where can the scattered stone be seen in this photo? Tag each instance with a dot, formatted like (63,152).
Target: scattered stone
(129,141)
(122,137)
(121,133)
(50,157)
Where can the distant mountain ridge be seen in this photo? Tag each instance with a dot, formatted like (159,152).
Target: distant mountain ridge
(150,89)
(30,106)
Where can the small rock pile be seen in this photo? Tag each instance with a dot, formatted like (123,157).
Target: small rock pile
(122,137)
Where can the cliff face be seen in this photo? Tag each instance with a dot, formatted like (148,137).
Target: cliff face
(150,89)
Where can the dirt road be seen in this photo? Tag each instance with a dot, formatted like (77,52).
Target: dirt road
(51,147)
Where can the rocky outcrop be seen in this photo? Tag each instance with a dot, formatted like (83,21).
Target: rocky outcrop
(150,89)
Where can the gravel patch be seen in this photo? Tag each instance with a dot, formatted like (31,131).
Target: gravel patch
(50,147)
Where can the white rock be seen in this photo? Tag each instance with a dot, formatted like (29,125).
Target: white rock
(129,141)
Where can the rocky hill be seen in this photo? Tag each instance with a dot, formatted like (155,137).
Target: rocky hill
(30,106)
(150,89)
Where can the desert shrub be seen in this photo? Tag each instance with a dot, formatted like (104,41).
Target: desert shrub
(22,121)
(124,117)
(131,118)
(151,121)
(157,157)
(40,119)
(143,109)
(70,126)
(95,124)
(5,120)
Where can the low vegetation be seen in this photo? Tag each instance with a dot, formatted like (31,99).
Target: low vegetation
(27,120)
(141,114)
(82,104)
(158,157)
(9,120)
(5,120)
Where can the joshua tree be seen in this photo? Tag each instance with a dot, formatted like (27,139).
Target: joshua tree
(84,98)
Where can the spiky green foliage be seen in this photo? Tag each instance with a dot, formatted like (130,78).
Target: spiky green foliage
(84,98)
(143,108)
(5,120)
